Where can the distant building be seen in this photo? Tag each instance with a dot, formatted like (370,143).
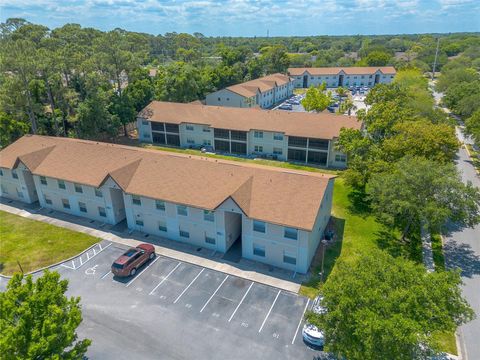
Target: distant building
(278,215)
(342,76)
(293,136)
(263,92)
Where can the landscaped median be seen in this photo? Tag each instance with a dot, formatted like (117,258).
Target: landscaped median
(34,244)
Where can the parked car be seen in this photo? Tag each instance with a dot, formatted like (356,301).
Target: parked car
(207,149)
(312,335)
(285,107)
(131,260)
(331,109)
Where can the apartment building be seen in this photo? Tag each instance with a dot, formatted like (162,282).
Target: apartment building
(287,136)
(263,92)
(278,215)
(342,76)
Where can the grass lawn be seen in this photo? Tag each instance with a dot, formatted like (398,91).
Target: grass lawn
(36,244)
(280,164)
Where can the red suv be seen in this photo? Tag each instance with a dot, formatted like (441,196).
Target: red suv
(129,262)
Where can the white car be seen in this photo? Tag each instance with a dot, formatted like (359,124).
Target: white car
(312,335)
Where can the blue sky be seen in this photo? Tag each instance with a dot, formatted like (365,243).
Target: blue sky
(250,18)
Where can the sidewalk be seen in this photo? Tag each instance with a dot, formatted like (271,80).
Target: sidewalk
(247,269)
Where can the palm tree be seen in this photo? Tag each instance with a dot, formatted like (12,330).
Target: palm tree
(347,107)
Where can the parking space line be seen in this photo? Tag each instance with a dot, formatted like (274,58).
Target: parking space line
(104,276)
(269,311)
(165,278)
(240,303)
(90,258)
(300,321)
(141,272)
(219,286)
(183,292)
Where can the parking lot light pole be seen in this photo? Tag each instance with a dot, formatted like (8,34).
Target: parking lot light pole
(324,247)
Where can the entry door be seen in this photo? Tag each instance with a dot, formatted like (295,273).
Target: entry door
(377,78)
(305,81)
(340,80)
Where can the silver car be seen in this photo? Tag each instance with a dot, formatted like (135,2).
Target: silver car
(312,334)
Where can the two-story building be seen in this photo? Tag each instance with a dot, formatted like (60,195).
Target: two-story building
(288,136)
(263,92)
(278,215)
(334,77)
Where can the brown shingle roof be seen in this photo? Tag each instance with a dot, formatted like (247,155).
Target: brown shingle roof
(359,70)
(322,125)
(263,84)
(275,195)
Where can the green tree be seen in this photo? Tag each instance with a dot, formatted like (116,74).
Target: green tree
(179,82)
(11,129)
(316,99)
(416,191)
(472,125)
(38,321)
(380,307)
(378,58)
(275,58)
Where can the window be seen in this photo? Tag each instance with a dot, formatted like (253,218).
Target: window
(258,226)
(258,148)
(258,134)
(4,189)
(289,259)
(43,180)
(259,250)
(160,205)
(162,226)
(206,129)
(19,194)
(61,184)
(207,142)
(341,158)
(182,210)
(370,77)
(139,222)
(47,200)
(218,99)
(238,135)
(208,215)
(98,193)
(146,135)
(1,172)
(173,128)
(190,141)
(190,127)
(78,188)
(184,233)
(278,136)
(66,203)
(209,239)
(14,174)
(297,141)
(82,207)
(101,211)
(136,200)
(277,151)
(145,122)
(290,233)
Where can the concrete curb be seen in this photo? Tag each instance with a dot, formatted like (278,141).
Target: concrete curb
(471,158)
(57,263)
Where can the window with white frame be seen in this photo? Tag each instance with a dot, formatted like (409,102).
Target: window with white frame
(278,136)
(183,233)
(208,215)
(290,233)
(61,184)
(1,172)
(259,226)
(102,212)
(48,201)
(210,239)
(98,193)
(136,200)
(277,151)
(258,148)
(20,193)
(82,206)
(206,129)
(145,122)
(66,203)
(162,225)
(259,250)
(289,258)
(258,134)
(182,210)
(340,158)
(160,205)
(190,141)
(139,222)
(207,142)
(190,127)
(78,188)
(14,174)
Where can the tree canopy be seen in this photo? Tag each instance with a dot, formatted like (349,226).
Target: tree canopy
(38,321)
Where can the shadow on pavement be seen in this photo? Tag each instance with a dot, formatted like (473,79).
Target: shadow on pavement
(463,257)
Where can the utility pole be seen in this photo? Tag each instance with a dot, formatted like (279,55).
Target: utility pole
(268,32)
(435,61)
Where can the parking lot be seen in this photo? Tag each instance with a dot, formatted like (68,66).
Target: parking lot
(172,309)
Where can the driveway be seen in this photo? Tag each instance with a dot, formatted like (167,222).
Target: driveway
(176,310)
